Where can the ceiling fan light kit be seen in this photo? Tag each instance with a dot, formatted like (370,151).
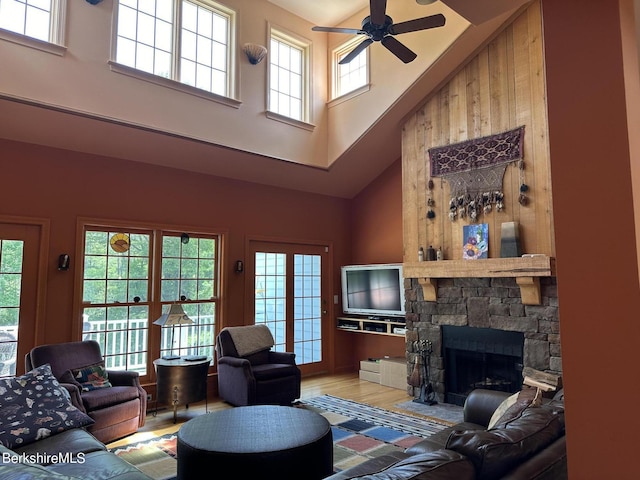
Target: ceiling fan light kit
(379,27)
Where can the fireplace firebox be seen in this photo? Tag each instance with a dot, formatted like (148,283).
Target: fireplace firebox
(480,358)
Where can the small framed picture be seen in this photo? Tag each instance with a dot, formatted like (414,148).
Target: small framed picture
(476,241)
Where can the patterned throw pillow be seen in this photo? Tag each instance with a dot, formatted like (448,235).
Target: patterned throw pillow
(34,406)
(91,377)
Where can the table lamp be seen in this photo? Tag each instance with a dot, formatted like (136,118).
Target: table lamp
(175,316)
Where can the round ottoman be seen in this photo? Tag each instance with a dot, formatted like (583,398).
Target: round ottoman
(259,441)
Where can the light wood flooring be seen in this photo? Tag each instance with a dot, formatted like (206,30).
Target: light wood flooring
(347,386)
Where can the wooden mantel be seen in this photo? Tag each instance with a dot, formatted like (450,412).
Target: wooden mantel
(526,270)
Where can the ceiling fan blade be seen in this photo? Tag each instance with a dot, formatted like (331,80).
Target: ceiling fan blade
(418,24)
(356,51)
(337,30)
(378,9)
(398,49)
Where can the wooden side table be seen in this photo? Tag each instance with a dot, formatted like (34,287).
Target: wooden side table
(181,382)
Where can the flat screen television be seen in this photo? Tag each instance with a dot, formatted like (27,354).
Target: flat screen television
(373,290)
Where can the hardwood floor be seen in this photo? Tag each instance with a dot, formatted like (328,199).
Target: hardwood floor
(347,386)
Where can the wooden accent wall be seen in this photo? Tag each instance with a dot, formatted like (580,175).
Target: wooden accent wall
(501,88)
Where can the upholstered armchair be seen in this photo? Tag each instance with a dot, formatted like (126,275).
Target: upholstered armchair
(115,400)
(250,373)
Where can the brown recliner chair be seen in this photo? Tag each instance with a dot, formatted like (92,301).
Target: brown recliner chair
(250,373)
(118,410)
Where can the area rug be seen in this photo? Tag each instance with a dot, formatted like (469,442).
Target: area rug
(359,431)
(442,412)
(156,457)
(363,431)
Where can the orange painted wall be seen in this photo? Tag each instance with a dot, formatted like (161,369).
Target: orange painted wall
(376,229)
(596,249)
(62,186)
(376,219)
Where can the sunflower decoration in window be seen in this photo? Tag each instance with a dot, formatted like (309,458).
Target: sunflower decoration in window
(120,242)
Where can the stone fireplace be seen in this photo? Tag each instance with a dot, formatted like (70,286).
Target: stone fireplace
(501,335)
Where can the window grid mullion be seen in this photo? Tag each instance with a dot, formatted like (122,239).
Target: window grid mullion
(176,74)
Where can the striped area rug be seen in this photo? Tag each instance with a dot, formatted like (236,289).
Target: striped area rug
(156,457)
(359,431)
(363,431)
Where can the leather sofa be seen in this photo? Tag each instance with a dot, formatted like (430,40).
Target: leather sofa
(526,443)
(74,453)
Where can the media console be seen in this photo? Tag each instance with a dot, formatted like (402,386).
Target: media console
(394,326)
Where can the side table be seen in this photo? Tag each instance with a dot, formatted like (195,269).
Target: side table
(181,382)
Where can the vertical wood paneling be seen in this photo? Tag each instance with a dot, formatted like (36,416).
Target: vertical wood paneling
(410,185)
(421,176)
(498,90)
(523,109)
(539,132)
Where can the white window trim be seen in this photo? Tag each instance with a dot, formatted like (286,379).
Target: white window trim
(57,26)
(348,96)
(173,84)
(232,78)
(305,45)
(335,58)
(288,120)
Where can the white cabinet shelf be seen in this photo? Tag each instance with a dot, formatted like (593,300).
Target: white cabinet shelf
(373,326)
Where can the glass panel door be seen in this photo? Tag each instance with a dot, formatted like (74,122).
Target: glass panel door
(307,308)
(288,293)
(19,279)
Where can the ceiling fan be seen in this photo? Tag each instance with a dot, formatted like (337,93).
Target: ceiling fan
(379,27)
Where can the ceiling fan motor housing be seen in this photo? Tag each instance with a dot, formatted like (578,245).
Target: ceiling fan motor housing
(376,32)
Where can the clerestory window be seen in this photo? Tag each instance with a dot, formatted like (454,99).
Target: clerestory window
(351,76)
(189,41)
(37,19)
(288,76)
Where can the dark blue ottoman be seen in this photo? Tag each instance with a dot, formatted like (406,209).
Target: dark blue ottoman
(258,441)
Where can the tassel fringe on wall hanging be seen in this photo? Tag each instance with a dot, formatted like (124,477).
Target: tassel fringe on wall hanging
(474,170)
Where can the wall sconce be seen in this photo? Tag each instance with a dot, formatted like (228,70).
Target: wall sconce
(425,2)
(94,2)
(255,53)
(239,267)
(63,262)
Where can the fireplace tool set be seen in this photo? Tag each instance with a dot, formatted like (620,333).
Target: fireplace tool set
(417,379)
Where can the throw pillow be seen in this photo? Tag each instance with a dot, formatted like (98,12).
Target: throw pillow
(503,407)
(34,406)
(528,397)
(91,377)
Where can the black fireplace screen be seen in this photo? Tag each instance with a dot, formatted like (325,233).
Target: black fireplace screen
(481,358)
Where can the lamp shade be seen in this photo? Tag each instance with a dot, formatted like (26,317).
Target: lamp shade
(175,316)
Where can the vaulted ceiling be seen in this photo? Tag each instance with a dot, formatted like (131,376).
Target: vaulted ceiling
(369,155)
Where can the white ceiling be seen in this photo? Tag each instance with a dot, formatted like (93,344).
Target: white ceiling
(323,12)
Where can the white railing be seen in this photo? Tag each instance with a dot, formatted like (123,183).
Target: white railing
(125,340)
(129,339)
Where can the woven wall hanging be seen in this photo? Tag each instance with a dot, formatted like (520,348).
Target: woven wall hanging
(474,170)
